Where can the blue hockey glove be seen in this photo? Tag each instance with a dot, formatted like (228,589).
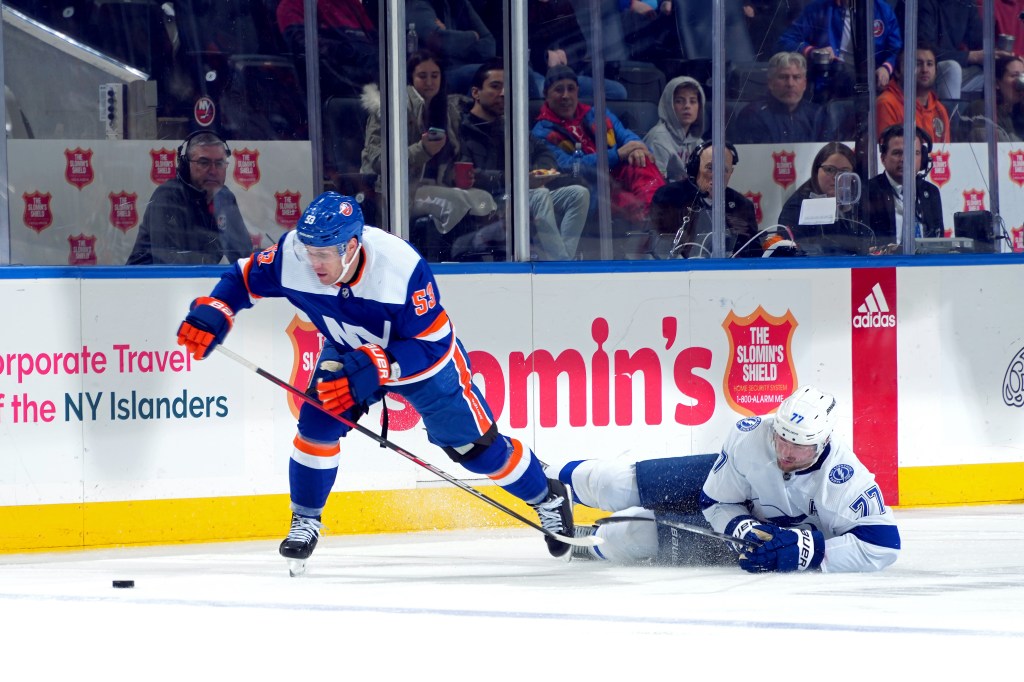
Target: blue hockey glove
(208,322)
(787,550)
(354,379)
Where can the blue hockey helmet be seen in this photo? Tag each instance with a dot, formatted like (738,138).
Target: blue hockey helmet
(330,220)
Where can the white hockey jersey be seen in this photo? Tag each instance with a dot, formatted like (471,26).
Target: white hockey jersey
(837,496)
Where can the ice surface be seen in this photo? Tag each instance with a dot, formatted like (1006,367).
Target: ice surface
(492,605)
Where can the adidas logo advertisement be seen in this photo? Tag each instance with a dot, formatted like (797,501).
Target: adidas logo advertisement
(874,311)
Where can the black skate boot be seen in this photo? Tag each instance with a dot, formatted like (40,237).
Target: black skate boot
(300,543)
(556,516)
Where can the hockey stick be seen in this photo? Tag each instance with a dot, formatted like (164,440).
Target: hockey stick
(580,542)
(736,542)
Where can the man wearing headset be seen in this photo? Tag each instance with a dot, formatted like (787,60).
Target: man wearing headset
(683,209)
(884,195)
(193,219)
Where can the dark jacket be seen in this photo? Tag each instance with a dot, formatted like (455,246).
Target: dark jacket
(821,25)
(681,202)
(848,236)
(178,228)
(465,38)
(771,121)
(553,26)
(952,26)
(880,209)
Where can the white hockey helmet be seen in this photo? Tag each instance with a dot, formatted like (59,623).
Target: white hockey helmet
(807,418)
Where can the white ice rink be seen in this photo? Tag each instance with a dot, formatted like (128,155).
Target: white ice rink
(492,605)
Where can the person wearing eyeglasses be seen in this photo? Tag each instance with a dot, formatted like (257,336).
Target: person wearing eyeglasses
(846,236)
(193,219)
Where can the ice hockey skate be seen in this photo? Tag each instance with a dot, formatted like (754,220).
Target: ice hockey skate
(556,516)
(582,552)
(300,543)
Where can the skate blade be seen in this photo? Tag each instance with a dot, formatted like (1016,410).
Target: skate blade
(296,567)
(589,541)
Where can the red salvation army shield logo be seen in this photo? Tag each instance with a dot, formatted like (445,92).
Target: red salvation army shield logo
(82,250)
(37,215)
(124,214)
(306,344)
(247,167)
(163,165)
(286,213)
(78,170)
(974,200)
(1017,166)
(755,199)
(760,372)
(940,172)
(784,168)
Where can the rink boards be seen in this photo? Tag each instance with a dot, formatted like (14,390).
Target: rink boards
(111,435)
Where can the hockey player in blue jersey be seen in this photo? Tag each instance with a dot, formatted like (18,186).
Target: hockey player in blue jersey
(799,498)
(376,302)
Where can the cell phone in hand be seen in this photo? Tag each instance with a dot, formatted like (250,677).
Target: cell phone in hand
(435,134)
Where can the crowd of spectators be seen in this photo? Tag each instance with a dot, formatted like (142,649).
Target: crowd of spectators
(810,54)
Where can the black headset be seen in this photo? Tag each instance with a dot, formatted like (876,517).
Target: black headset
(693,163)
(183,150)
(896,130)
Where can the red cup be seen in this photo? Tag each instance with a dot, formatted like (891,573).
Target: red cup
(463,174)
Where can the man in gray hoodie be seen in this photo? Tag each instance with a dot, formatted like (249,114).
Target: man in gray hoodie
(680,127)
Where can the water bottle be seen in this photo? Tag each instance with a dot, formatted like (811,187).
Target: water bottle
(577,160)
(412,41)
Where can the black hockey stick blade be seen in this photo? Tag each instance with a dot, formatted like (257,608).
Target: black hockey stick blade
(736,542)
(589,541)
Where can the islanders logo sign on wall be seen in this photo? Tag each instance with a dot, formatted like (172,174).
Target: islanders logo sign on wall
(760,372)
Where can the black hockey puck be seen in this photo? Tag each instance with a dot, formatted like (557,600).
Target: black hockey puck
(124,583)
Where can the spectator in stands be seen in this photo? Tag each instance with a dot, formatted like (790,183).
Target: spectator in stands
(766,20)
(1009,123)
(1008,21)
(347,40)
(884,196)
(453,30)
(683,208)
(785,115)
(434,145)
(680,127)
(558,211)
(827,25)
(847,235)
(649,28)
(929,112)
(193,219)
(565,122)
(555,39)
(954,28)
(693,25)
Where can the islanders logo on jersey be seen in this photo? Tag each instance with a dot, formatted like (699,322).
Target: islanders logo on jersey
(840,473)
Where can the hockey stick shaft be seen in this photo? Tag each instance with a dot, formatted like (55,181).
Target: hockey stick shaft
(583,542)
(737,542)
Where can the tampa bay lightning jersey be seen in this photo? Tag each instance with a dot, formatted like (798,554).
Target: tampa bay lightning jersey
(393,301)
(837,496)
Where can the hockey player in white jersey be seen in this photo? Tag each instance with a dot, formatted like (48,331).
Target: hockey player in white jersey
(375,301)
(798,496)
